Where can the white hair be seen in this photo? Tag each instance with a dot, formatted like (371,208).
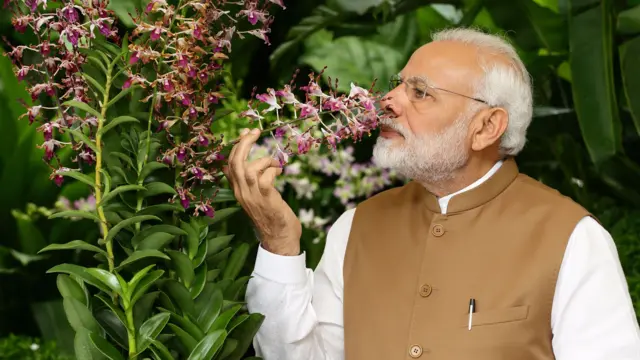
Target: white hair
(505,86)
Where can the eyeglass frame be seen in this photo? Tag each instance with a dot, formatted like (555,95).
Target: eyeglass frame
(399,79)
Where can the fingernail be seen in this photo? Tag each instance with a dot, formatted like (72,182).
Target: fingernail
(244,132)
(255,131)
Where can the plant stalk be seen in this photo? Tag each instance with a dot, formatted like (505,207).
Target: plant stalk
(131,333)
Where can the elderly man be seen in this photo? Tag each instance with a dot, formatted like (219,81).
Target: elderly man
(469,260)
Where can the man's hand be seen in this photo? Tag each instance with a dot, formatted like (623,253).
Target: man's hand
(253,187)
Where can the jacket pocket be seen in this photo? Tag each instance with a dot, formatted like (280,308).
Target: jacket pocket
(496,316)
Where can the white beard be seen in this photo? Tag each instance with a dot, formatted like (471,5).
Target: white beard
(431,158)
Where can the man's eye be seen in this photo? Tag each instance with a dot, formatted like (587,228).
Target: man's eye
(419,93)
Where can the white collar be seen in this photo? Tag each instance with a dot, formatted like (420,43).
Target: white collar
(444,201)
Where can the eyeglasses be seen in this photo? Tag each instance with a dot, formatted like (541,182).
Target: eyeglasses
(417,88)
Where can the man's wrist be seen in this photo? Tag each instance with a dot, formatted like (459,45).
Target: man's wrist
(282,247)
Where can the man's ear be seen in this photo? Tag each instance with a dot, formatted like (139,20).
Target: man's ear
(489,125)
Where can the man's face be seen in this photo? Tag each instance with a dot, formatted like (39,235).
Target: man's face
(427,138)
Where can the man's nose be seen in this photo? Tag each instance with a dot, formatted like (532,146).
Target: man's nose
(389,105)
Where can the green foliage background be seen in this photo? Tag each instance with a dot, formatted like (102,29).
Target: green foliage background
(584,140)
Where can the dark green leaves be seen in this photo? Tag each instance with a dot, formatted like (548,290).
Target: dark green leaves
(142,254)
(208,346)
(70,288)
(106,278)
(76,245)
(150,330)
(180,296)
(182,265)
(117,121)
(143,234)
(119,190)
(155,241)
(78,176)
(629,21)
(84,107)
(130,221)
(236,261)
(81,273)
(629,55)
(75,214)
(79,315)
(104,347)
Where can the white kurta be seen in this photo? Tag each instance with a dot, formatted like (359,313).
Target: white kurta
(592,316)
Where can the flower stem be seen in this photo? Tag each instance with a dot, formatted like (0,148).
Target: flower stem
(101,120)
(146,155)
(131,334)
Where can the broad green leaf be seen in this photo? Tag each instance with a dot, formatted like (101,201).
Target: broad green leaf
(121,94)
(228,347)
(93,82)
(122,157)
(117,121)
(212,275)
(104,347)
(84,107)
(143,308)
(187,325)
(144,284)
(79,315)
(155,241)
(31,238)
(210,310)
(208,346)
(202,254)
(185,338)
(106,278)
(84,348)
(236,261)
(593,85)
(138,277)
(219,216)
(629,55)
(150,330)
(24,259)
(155,209)
(149,168)
(79,135)
(119,190)
(75,214)
(157,188)
(70,288)
(113,327)
(98,63)
(629,21)
(234,291)
(216,244)
(142,254)
(192,238)
(79,272)
(75,244)
(107,180)
(124,10)
(160,351)
(199,281)
(237,321)
(78,176)
(114,309)
(181,296)
(223,319)
(218,259)
(144,233)
(224,195)
(183,267)
(245,333)
(126,222)
(360,7)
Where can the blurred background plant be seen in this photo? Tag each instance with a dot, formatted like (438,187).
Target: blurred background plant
(584,140)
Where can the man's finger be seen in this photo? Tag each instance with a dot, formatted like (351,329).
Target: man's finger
(234,148)
(256,167)
(243,147)
(267,180)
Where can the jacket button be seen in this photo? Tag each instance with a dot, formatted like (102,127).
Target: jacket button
(437,230)
(425,290)
(415,351)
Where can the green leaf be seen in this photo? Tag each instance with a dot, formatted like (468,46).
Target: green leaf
(106,278)
(142,254)
(218,243)
(119,190)
(121,94)
(94,82)
(181,296)
(358,6)
(629,55)
(122,157)
(75,244)
(154,209)
(79,135)
(150,330)
(224,195)
(98,63)
(593,81)
(115,310)
(117,121)
(236,321)
(149,168)
(143,308)
(219,216)
(79,316)
(217,260)
(235,290)
(104,347)
(201,255)
(84,107)
(70,288)
(84,348)
(199,281)
(183,267)
(185,338)
(130,221)
(113,327)
(124,9)
(160,351)
(192,238)
(78,176)
(144,284)
(245,333)
(208,346)
(183,321)
(210,310)
(236,262)
(223,320)
(212,275)
(143,234)
(157,188)
(75,214)
(155,241)
(79,272)
(629,21)
(138,277)
(228,347)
